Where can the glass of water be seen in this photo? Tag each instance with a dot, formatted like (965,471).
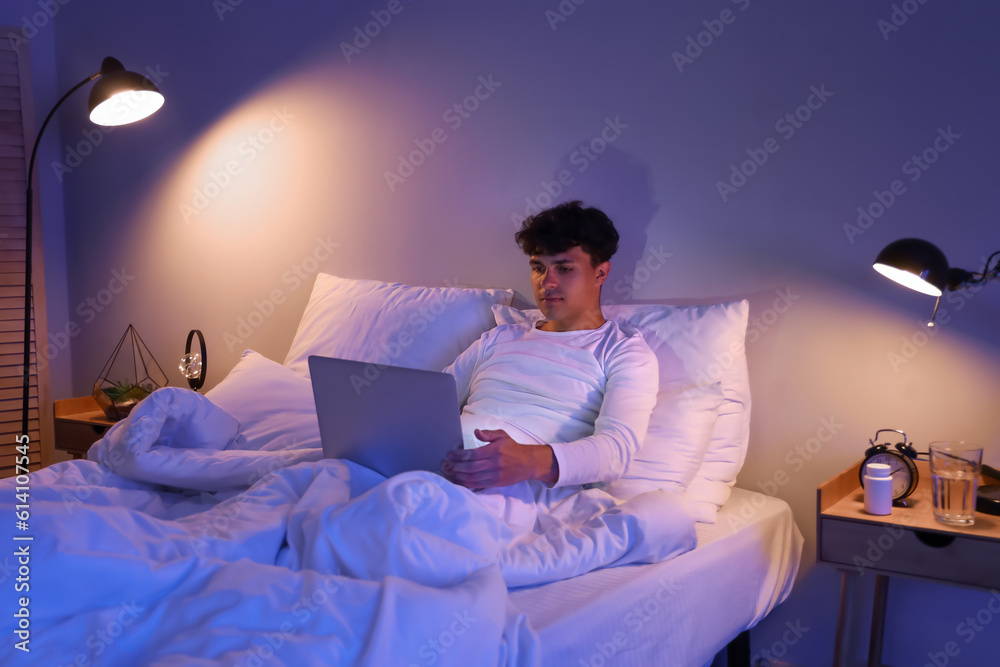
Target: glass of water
(955,470)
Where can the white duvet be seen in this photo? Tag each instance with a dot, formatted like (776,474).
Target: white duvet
(172,546)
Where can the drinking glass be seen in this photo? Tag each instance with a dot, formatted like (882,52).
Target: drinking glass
(955,470)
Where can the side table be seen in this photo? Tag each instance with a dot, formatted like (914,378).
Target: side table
(909,542)
(79,423)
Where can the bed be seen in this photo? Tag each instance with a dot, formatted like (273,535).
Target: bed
(207,530)
(681,611)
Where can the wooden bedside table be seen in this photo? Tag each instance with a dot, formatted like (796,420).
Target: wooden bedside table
(79,423)
(909,542)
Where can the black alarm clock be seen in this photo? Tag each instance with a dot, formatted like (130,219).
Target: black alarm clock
(900,461)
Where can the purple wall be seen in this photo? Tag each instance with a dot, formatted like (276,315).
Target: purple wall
(208,224)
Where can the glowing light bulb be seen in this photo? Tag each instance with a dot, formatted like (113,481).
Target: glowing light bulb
(190,365)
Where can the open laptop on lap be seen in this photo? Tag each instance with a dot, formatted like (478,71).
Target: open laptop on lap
(390,419)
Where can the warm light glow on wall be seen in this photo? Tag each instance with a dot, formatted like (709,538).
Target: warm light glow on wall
(265,179)
(868,366)
(266,164)
(255,205)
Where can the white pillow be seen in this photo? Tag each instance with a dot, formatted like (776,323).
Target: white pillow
(274,405)
(724,359)
(697,440)
(680,432)
(390,323)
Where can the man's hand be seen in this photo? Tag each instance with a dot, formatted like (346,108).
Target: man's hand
(502,462)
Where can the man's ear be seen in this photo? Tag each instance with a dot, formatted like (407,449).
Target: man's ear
(603,270)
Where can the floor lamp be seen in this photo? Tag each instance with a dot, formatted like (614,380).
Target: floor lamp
(119,98)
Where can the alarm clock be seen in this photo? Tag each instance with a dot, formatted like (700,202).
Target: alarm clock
(900,461)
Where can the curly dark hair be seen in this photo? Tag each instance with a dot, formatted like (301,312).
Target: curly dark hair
(569,224)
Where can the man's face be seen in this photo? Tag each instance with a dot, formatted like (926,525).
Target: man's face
(568,289)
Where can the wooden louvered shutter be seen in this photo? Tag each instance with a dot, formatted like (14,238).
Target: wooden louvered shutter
(16,126)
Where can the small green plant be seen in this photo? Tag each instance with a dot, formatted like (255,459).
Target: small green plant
(119,389)
(125,388)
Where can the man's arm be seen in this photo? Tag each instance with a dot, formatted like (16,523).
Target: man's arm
(464,367)
(629,398)
(502,462)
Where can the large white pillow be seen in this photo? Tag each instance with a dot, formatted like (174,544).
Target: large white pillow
(697,438)
(390,323)
(274,405)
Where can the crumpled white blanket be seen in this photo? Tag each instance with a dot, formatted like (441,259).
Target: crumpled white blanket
(173,546)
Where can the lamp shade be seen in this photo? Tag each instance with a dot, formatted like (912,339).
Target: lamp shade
(914,263)
(120,97)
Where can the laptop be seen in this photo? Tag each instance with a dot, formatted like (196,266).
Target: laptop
(390,419)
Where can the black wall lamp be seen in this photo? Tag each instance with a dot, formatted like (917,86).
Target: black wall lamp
(921,266)
(119,98)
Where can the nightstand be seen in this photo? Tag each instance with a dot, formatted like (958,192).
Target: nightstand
(79,423)
(909,542)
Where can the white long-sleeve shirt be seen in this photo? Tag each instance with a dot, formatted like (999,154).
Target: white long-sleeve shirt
(588,394)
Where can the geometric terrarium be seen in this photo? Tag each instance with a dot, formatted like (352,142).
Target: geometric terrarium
(130,375)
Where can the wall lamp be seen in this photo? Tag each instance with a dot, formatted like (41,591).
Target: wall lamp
(921,266)
(119,98)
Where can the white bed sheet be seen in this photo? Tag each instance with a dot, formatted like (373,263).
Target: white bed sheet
(676,613)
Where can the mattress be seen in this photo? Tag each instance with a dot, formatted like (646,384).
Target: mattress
(679,612)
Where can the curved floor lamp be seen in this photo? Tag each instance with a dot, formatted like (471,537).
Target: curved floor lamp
(921,266)
(119,98)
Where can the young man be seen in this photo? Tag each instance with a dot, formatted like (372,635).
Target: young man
(572,392)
